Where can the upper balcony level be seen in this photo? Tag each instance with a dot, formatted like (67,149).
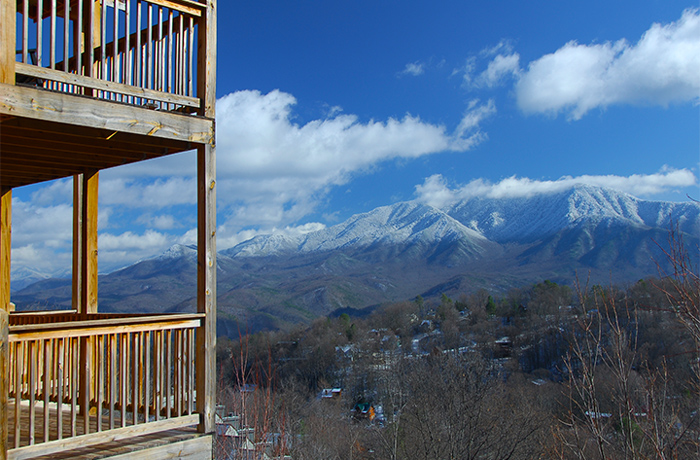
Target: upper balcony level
(99,83)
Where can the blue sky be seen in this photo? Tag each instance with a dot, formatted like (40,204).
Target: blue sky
(327,109)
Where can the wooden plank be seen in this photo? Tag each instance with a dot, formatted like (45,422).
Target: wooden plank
(88,112)
(199,448)
(191,8)
(4,384)
(92,439)
(105,85)
(140,322)
(82,332)
(8,39)
(5,247)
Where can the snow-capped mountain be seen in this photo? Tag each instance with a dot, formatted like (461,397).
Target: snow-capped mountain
(401,226)
(397,252)
(531,218)
(478,222)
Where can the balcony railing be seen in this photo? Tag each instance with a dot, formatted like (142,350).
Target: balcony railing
(140,52)
(76,380)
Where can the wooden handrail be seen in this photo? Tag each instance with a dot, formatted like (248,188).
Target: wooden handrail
(136,371)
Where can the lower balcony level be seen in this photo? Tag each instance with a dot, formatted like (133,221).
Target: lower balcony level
(103,386)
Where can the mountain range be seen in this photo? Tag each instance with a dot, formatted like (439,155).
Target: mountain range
(396,252)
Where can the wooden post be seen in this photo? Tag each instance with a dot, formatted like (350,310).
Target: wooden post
(7,39)
(88,241)
(206,286)
(206,224)
(4,375)
(5,247)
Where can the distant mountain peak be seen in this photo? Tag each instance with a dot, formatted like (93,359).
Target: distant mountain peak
(178,250)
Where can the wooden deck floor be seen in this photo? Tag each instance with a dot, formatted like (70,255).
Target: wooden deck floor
(184,443)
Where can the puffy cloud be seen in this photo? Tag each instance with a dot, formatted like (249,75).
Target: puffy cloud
(501,67)
(273,171)
(660,69)
(413,68)
(436,192)
(117,251)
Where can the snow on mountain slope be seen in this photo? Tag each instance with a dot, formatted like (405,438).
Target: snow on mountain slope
(408,223)
(476,222)
(531,218)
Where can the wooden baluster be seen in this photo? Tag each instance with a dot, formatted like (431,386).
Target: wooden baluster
(60,387)
(135,376)
(123,380)
(19,354)
(169,59)
(127,51)
(190,57)
(147,353)
(138,76)
(39,32)
(52,46)
(66,37)
(100,371)
(168,377)
(25,31)
(32,389)
(115,42)
(73,368)
(150,78)
(48,358)
(78,38)
(112,377)
(103,44)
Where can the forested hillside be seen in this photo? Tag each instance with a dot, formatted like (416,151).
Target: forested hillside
(544,371)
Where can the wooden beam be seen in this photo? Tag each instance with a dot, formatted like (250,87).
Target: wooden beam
(7,41)
(206,286)
(96,113)
(5,247)
(104,85)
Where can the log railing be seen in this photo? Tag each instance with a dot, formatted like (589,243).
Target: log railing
(86,379)
(141,52)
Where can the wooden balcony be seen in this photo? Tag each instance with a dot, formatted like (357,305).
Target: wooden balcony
(80,380)
(87,85)
(100,83)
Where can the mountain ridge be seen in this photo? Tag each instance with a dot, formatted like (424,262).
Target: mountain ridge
(396,252)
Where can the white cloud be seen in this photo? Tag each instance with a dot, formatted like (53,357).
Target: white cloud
(126,248)
(272,171)
(662,68)
(436,192)
(414,69)
(500,68)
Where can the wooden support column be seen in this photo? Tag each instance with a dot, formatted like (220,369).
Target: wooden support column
(206,224)
(5,247)
(85,192)
(206,286)
(7,39)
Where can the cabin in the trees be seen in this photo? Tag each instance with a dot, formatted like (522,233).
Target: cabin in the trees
(87,85)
